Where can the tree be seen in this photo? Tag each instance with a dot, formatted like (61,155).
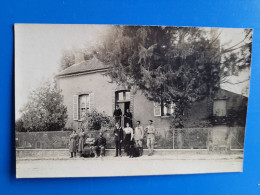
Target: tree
(237,57)
(19,126)
(168,64)
(44,110)
(177,65)
(68,57)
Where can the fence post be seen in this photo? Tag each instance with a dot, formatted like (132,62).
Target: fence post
(173,132)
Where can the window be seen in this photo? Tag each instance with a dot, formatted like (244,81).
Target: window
(127,95)
(165,110)
(219,108)
(122,96)
(157,109)
(168,109)
(82,104)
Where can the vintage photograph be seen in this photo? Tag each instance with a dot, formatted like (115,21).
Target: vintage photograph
(120,100)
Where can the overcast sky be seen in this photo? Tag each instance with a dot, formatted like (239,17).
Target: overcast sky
(38,50)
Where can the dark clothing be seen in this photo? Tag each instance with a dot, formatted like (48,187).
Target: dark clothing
(88,147)
(117,114)
(101,141)
(99,149)
(118,148)
(72,154)
(118,132)
(128,118)
(99,146)
(134,151)
(128,143)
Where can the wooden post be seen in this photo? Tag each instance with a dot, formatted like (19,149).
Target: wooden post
(173,132)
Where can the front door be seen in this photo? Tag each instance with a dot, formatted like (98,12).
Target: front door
(123,106)
(123,101)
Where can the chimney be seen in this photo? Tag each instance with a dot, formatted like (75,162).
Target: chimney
(79,57)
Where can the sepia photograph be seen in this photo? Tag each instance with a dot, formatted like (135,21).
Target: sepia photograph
(121,100)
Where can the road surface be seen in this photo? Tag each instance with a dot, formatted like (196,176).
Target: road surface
(123,166)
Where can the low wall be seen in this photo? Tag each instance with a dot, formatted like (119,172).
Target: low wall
(38,154)
(187,138)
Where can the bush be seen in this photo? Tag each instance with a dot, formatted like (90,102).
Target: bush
(95,120)
(19,126)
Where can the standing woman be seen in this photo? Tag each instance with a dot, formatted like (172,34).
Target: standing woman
(73,143)
(129,134)
(81,141)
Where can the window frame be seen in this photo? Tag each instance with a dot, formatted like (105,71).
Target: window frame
(162,109)
(124,96)
(87,106)
(213,107)
(76,107)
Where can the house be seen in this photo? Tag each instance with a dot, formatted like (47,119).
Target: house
(85,86)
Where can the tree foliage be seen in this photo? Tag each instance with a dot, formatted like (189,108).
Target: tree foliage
(237,57)
(67,59)
(171,64)
(19,126)
(44,110)
(168,64)
(177,65)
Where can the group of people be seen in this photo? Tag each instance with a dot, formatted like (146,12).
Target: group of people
(127,116)
(78,141)
(131,138)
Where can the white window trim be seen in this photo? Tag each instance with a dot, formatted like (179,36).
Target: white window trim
(91,105)
(156,105)
(75,103)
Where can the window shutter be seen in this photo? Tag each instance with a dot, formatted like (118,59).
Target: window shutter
(75,107)
(157,109)
(113,101)
(91,101)
(219,108)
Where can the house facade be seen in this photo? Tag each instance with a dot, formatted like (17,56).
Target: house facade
(85,86)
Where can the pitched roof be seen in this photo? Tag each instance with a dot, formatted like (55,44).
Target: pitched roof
(85,66)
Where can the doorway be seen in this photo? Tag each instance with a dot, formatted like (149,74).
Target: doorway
(123,101)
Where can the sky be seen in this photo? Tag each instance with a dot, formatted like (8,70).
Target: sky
(39,47)
(38,50)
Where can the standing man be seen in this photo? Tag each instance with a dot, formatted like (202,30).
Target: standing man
(118,114)
(118,132)
(139,136)
(99,145)
(128,117)
(150,137)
